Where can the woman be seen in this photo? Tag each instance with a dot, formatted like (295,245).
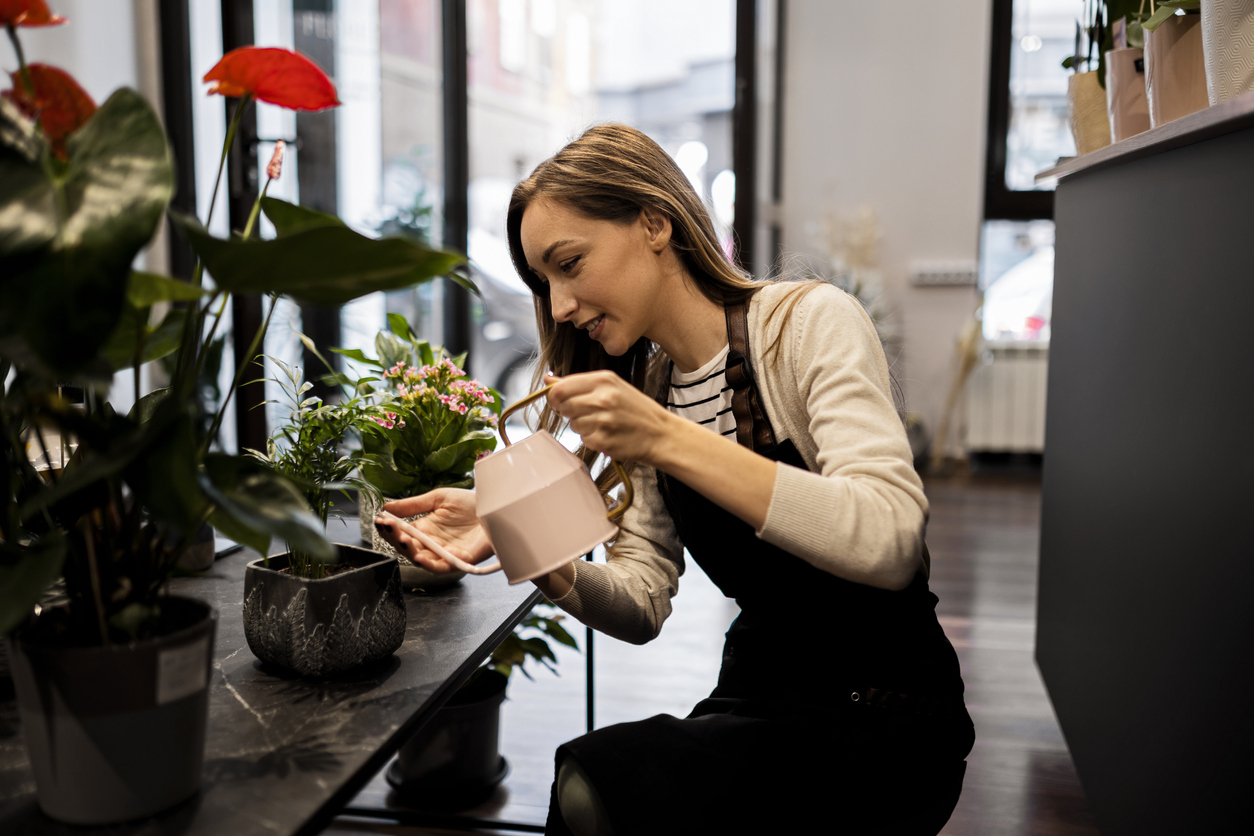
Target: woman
(759,423)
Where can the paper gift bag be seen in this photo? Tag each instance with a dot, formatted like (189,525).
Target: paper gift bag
(1175,69)
(1125,93)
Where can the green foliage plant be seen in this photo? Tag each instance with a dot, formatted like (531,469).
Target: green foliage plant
(139,485)
(431,422)
(529,641)
(1167,8)
(429,425)
(308,451)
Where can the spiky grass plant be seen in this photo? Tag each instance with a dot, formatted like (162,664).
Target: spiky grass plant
(309,451)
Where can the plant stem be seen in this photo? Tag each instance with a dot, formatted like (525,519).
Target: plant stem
(94,572)
(21,59)
(39,435)
(256,210)
(226,148)
(239,374)
(194,324)
(200,358)
(141,329)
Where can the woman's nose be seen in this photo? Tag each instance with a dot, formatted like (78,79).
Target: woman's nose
(562,303)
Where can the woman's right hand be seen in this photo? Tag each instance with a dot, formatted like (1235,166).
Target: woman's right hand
(451,519)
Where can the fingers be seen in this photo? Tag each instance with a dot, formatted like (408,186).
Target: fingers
(420,556)
(412,505)
(578,394)
(398,534)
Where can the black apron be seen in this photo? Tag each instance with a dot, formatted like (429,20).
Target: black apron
(838,705)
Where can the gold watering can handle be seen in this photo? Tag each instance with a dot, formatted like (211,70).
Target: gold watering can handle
(613,513)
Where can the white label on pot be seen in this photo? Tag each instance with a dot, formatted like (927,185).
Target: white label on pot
(182,671)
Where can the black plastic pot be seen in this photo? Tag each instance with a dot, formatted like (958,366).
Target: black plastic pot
(117,733)
(325,626)
(454,761)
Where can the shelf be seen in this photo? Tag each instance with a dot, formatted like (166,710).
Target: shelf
(1225,117)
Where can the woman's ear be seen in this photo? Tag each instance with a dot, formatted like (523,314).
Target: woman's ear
(657,226)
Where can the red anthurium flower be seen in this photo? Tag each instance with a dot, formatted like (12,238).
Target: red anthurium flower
(278,76)
(60,105)
(27,13)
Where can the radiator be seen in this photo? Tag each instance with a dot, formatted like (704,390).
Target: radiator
(1005,401)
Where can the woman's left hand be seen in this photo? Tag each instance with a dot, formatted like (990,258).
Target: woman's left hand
(610,415)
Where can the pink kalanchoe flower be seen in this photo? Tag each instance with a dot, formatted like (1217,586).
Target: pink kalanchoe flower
(275,167)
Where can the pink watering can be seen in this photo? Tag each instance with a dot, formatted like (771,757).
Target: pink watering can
(538,504)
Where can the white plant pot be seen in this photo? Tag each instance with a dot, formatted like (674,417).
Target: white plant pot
(1228,46)
(1175,70)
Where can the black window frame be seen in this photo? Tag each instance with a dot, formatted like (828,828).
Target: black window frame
(1001,203)
(237,30)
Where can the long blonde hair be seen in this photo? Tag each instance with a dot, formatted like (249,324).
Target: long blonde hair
(612,172)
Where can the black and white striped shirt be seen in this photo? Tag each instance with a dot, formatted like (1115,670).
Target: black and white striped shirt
(703,396)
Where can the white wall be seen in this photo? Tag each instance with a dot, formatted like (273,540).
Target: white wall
(885,107)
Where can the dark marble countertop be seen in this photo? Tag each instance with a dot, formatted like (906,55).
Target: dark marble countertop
(284,755)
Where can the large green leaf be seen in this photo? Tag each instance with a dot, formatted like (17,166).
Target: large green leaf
(327,265)
(254,503)
(358,355)
(444,458)
(379,470)
(107,457)
(400,327)
(146,289)
(25,574)
(165,480)
(28,213)
(1167,8)
(289,218)
(163,340)
(19,135)
(391,349)
(109,199)
(146,407)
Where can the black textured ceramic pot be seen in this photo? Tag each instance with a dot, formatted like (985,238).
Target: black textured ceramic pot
(325,626)
(117,733)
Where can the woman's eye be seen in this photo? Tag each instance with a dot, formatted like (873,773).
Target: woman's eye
(569,264)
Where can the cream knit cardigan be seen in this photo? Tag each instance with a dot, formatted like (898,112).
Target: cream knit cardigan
(859,507)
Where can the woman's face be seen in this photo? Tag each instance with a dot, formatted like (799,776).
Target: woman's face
(604,277)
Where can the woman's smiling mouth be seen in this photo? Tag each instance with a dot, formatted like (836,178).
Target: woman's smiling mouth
(593,327)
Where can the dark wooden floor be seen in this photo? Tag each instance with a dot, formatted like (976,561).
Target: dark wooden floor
(983,538)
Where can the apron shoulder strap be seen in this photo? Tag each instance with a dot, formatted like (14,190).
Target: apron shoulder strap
(753,428)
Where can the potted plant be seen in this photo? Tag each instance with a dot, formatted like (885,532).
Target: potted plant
(429,425)
(301,613)
(85,189)
(1105,94)
(454,761)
